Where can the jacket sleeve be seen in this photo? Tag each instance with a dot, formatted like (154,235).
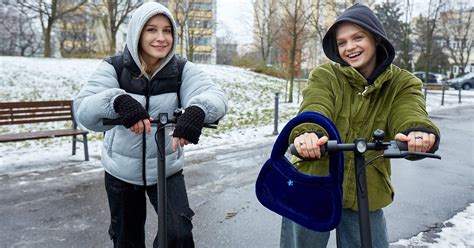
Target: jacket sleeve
(197,89)
(408,110)
(318,96)
(95,101)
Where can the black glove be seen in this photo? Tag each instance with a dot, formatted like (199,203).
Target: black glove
(129,110)
(189,124)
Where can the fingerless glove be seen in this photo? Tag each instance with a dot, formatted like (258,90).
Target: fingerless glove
(130,110)
(189,124)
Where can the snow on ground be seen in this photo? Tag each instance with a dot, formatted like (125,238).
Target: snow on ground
(455,232)
(248,123)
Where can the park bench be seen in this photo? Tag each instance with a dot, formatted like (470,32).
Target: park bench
(14,113)
(436,87)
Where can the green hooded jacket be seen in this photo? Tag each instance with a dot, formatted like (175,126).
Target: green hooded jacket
(394,103)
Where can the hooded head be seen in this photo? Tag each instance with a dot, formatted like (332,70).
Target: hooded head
(363,17)
(139,18)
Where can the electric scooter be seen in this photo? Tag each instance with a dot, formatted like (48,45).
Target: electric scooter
(162,121)
(391,149)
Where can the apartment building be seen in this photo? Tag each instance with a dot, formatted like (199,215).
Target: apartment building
(197,20)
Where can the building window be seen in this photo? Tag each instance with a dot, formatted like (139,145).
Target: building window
(200,24)
(202,6)
(202,41)
(203,58)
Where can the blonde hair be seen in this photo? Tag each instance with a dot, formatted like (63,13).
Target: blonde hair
(144,67)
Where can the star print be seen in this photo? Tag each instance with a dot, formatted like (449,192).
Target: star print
(290,182)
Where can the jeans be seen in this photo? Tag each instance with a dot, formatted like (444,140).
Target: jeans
(127,203)
(295,235)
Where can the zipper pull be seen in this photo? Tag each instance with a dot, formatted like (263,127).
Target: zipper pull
(365,90)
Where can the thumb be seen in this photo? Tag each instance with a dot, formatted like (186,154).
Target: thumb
(322,140)
(175,143)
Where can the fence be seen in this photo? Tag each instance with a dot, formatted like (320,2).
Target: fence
(435,89)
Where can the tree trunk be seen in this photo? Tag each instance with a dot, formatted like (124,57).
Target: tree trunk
(47,41)
(292,71)
(181,42)
(113,42)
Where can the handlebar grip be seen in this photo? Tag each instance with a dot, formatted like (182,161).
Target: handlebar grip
(110,122)
(402,145)
(294,152)
(211,125)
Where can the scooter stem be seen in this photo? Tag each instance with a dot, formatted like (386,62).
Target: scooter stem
(362,194)
(161,184)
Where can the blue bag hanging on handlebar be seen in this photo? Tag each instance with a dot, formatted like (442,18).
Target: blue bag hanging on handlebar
(314,202)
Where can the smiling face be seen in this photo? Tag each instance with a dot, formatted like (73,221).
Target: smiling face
(156,40)
(356,47)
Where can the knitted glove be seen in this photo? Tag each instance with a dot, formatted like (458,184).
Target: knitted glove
(189,124)
(129,110)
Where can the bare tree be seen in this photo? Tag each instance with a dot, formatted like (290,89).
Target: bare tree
(193,25)
(316,20)
(115,14)
(266,26)
(406,46)
(75,34)
(456,29)
(426,29)
(49,12)
(296,16)
(197,35)
(182,13)
(18,33)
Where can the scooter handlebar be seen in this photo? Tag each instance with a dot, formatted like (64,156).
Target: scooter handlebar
(392,149)
(116,122)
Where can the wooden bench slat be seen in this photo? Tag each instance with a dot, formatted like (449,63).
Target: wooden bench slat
(35,115)
(11,111)
(40,135)
(5,105)
(10,122)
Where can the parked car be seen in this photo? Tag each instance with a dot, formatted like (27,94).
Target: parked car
(465,82)
(433,78)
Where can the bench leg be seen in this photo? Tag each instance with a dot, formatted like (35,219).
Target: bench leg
(86,149)
(74,145)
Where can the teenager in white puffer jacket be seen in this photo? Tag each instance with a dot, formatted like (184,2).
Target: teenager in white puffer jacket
(147,85)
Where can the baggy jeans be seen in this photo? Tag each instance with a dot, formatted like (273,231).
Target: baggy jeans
(127,203)
(294,235)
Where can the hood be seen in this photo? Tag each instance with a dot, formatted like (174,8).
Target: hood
(364,17)
(137,22)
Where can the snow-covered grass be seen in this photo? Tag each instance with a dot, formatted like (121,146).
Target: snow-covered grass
(251,95)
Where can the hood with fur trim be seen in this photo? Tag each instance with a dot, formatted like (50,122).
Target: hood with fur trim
(364,17)
(139,18)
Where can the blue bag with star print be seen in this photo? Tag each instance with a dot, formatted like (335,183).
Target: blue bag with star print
(314,202)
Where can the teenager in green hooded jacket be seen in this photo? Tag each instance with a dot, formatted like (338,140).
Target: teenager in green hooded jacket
(361,92)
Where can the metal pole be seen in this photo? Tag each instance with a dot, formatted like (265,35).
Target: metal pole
(426,91)
(362,194)
(275,120)
(459,101)
(442,97)
(161,184)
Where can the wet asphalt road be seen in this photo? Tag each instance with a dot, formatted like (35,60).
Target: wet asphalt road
(67,207)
